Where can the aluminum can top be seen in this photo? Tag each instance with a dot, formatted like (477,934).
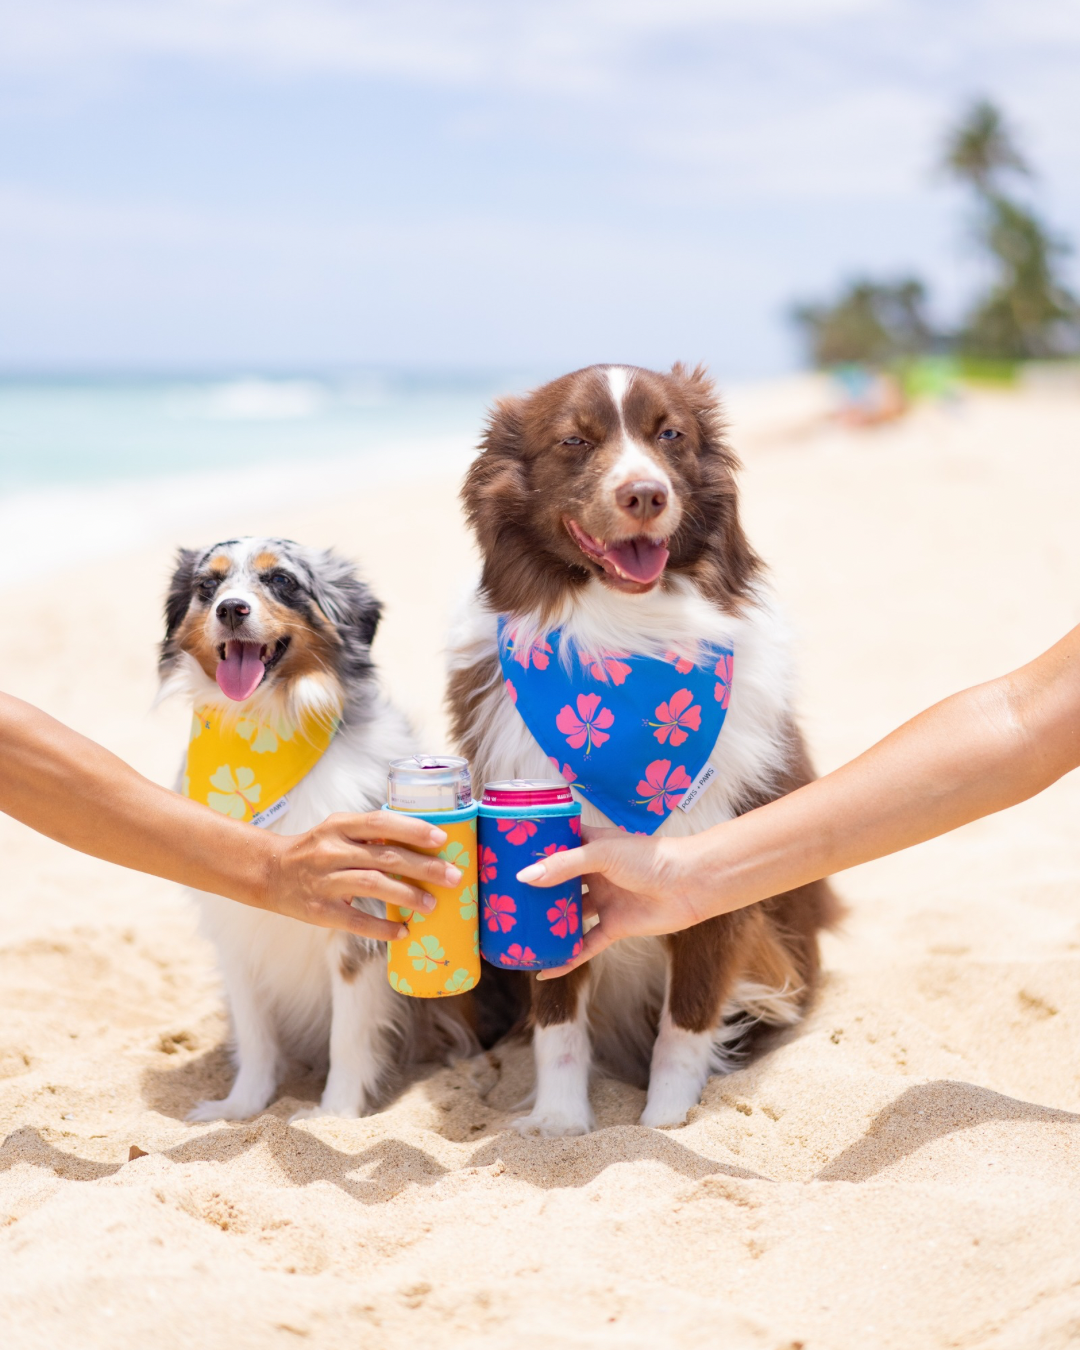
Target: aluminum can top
(429,783)
(527,792)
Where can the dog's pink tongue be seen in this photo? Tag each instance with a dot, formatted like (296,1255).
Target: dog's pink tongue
(640,559)
(238,676)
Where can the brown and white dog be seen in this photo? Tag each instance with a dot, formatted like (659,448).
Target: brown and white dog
(272,629)
(605,504)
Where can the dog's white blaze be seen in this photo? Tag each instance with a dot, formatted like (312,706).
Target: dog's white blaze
(633,463)
(563,1060)
(618,379)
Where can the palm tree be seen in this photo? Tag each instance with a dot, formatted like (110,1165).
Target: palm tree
(1029,311)
(981,148)
(871,322)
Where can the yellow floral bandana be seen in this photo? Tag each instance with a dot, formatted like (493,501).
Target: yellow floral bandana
(248,771)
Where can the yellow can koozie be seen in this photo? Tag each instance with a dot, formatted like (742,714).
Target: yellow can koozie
(441,955)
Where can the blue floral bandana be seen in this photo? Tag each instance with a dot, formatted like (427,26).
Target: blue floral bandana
(632,734)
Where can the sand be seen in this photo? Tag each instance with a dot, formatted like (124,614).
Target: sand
(903,1170)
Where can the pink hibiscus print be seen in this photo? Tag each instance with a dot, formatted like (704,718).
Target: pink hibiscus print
(605,664)
(500,913)
(681,664)
(575,950)
(516,955)
(566,771)
(662,786)
(563,917)
(511,692)
(488,864)
(553,848)
(537,652)
(723,675)
(676,718)
(589,726)
(575,825)
(516,831)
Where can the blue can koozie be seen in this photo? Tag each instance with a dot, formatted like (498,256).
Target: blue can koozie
(527,927)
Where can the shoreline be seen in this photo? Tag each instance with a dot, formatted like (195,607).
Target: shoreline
(45,528)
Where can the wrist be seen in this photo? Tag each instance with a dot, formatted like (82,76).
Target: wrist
(258,879)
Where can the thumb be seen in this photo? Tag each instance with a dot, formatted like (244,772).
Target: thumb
(564,866)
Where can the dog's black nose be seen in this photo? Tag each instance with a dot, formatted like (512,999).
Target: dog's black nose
(232,613)
(645,498)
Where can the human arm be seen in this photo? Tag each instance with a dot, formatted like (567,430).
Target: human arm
(975,753)
(75,791)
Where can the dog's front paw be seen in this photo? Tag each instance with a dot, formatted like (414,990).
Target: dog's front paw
(553,1124)
(323,1112)
(223,1110)
(668,1104)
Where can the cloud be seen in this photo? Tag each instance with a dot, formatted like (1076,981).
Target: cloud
(422,175)
(506,40)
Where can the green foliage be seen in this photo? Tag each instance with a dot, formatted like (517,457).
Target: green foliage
(980,149)
(873,323)
(1028,311)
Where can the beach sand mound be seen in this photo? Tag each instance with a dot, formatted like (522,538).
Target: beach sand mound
(901,1170)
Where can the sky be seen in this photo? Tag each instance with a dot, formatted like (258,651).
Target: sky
(466,184)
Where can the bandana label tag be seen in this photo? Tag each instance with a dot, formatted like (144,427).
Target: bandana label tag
(692,793)
(272,813)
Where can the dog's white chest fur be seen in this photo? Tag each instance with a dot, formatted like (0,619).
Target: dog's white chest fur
(287,995)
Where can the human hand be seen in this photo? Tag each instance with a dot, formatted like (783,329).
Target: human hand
(638,887)
(314,876)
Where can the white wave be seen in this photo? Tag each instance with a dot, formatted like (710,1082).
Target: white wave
(252,400)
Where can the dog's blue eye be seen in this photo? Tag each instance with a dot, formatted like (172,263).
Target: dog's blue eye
(574,441)
(208,587)
(283,581)
(670,434)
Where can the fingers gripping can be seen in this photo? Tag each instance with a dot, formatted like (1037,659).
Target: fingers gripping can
(526,927)
(441,955)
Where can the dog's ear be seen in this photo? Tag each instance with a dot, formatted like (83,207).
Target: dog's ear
(178,597)
(344,598)
(726,564)
(700,393)
(494,489)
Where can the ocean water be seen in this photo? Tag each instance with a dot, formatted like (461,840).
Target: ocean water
(64,431)
(92,467)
